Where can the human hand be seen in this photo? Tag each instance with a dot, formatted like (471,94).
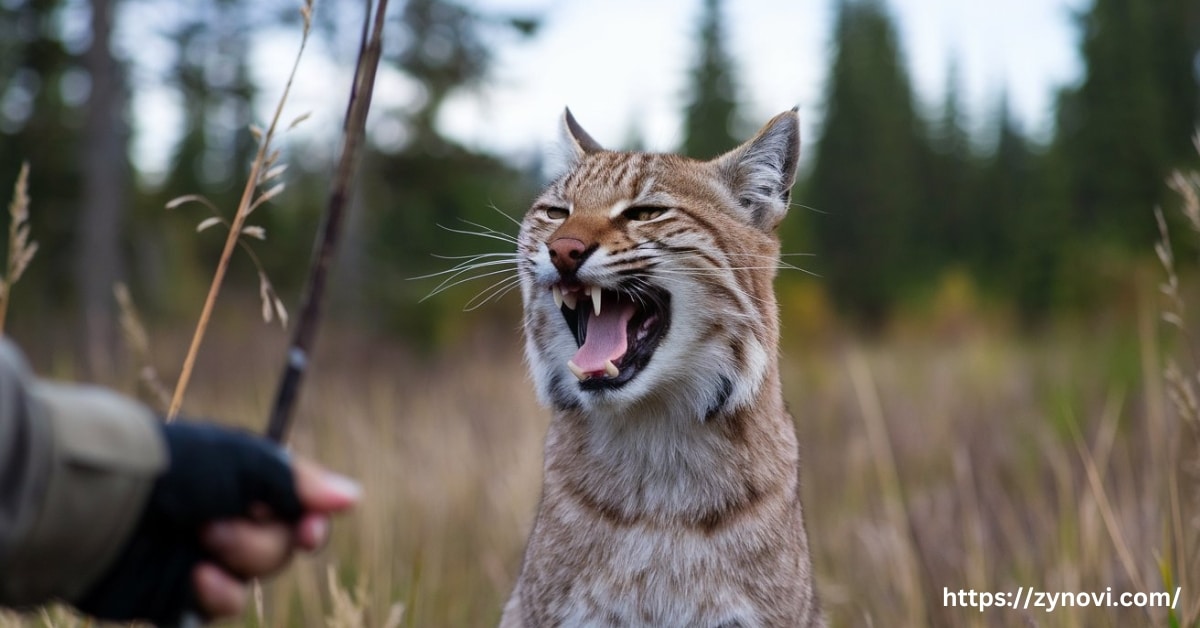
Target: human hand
(259,545)
(231,506)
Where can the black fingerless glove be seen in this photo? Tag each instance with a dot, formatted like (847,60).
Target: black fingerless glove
(214,473)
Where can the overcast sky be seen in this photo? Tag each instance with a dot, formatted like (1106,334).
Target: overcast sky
(621,65)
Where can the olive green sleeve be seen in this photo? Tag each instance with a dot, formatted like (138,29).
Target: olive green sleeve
(76,467)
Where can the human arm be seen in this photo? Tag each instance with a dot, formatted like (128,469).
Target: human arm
(77,464)
(103,506)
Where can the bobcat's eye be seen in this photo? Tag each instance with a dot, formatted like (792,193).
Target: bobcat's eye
(642,214)
(556,213)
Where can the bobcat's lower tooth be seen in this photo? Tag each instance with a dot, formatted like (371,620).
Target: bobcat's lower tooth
(558,296)
(571,299)
(579,374)
(611,369)
(595,292)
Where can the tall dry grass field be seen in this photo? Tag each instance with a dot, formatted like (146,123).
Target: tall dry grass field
(974,459)
(979,460)
(968,460)
(951,454)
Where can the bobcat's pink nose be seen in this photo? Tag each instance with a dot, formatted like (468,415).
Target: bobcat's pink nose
(567,254)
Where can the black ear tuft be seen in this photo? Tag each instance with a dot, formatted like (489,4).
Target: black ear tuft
(580,142)
(763,170)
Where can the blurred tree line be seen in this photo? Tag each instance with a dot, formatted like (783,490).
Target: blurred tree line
(904,197)
(900,195)
(65,106)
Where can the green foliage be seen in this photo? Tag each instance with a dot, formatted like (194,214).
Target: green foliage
(443,50)
(866,181)
(902,200)
(710,116)
(1019,216)
(1128,123)
(213,154)
(430,183)
(951,176)
(459,191)
(41,119)
(899,200)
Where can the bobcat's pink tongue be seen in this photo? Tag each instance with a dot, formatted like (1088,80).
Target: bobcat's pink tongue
(606,336)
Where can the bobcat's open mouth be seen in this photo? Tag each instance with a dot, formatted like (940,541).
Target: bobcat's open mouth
(617,331)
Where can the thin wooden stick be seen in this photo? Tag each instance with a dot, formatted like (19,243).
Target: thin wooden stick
(353,131)
(306,325)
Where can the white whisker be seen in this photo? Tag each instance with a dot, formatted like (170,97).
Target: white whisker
(675,273)
(476,256)
(502,213)
(492,293)
(444,286)
(464,267)
(721,271)
(811,209)
(495,235)
(775,265)
(488,229)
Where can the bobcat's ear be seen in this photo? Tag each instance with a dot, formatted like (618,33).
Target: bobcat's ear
(579,143)
(761,171)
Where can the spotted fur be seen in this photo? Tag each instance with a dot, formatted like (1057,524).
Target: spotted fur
(674,499)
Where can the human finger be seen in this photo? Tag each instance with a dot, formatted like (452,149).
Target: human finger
(249,548)
(312,532)
(219,595)
(324,491)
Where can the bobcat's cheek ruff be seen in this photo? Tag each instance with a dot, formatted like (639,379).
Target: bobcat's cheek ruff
(617,330)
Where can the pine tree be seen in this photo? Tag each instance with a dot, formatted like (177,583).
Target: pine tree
(866,181)
(210,72)
(432,179)
(105,195)
(444,51)
(1130,120)
(40,122)
(950,212)
(711,115)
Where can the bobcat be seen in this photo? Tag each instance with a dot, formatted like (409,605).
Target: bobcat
(671,489)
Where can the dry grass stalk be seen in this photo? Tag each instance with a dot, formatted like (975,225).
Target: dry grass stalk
(1107,511)
(1181,387)
(138,341)
(887,471)
(259,615)
(20,249)
(263,170)
(351,609)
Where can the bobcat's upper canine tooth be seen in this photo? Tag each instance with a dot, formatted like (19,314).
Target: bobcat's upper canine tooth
(595,291)
(558,296)
(579,374)
(571,299)
(611,369)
